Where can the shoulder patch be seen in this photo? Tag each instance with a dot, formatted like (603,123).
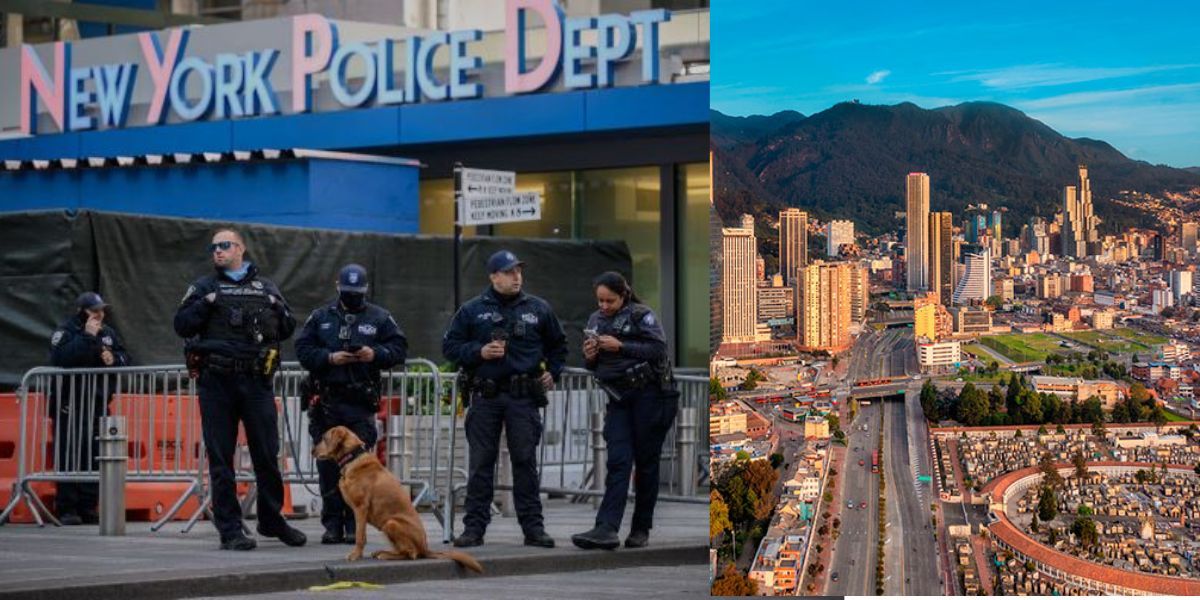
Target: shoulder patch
(56,338)
(648,320)
(258,285)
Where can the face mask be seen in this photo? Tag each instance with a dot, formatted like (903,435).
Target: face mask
(353,301)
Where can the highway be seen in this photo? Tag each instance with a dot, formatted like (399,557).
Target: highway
(854,555)
(911,560)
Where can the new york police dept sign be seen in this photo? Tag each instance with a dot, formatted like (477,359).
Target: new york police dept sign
(238,85)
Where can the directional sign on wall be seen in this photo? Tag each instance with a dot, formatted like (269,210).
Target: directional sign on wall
(489,197)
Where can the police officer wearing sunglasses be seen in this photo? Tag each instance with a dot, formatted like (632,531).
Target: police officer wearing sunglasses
(233,321)
(344,346)
(512,349)
(626,350)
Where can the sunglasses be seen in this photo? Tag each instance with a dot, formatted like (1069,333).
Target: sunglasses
(225,246)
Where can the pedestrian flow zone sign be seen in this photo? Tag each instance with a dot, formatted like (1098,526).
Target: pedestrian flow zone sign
(487,196)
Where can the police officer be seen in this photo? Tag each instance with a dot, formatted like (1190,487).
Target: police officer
(234,321)
(83,341)
(344,345)
(626,350)
(501,340)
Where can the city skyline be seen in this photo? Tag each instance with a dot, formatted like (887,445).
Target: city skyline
(1139,90)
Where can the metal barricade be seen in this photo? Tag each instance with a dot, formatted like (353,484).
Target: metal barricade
(60,414)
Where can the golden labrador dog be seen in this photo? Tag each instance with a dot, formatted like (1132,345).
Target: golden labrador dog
(376,497)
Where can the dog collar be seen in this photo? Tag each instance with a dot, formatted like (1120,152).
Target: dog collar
(353,454)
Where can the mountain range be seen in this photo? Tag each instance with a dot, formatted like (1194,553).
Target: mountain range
(850,162)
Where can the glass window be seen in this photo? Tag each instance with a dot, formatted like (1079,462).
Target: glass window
(623,204)
(557,207)
(437,208)
(692,272)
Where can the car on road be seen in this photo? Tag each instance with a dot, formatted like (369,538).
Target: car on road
(862,463)
(862,504)
(849,504)
(834,576)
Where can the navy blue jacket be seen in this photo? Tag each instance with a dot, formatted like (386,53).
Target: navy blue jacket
(196,318)
(534,335)
(73,348)
(641,335)
(372,326)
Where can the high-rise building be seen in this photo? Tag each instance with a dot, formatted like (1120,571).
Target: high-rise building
(976,283)
(1079,221)
(715,259)
(823,304)
(860,291)
(917,223)
(1187,237)
(994,224)
(836,234)
(1049,286)
(739,296)
(775,301)
(793,243)
(941,256)
(925,317)
(1181,284)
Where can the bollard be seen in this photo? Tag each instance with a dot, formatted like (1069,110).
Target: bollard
(395,446)
(506,498)
(599,455)
(113,464)
(686,435)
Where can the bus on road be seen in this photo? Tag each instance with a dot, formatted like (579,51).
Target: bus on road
(874,461)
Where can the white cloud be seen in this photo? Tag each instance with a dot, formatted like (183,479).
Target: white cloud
(1027,76)
(877,76)
(1165,92)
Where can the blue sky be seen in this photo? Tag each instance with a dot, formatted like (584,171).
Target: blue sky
(1127,73)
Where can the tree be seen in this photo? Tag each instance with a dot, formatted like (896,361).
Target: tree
(776,460)
(1084,510)
(718,515)
(972,405)
(1098,429)
(994,302)
(742,455)
(715,391)
(929,401)
(733,583)
(1092,410)
(1050,473)
(1053,537)
(1060,429)
(1085,531)
(760,477)
(1033,526)
(1047,504)
(1158,416)
(1042,430)
(1080,462)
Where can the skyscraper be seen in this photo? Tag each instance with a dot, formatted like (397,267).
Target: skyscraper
(860,291)
(917,222)
(739,292)
(715,259)
(823,306)
(793,243)
(976,283)
(836,234)
(1079,222)
(1187,237)
(941,256)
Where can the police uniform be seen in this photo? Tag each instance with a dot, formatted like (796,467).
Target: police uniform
(347,395)
(641,409)
(234,341)
(505,392)
(72,347)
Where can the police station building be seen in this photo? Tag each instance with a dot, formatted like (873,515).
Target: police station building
(601,107)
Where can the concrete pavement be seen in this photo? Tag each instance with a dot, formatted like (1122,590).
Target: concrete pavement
(75,562)
(689,581)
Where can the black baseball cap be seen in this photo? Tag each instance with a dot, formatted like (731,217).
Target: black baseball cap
(352,278)
(502,261)
(90,301)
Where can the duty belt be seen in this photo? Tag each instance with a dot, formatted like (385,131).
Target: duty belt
(225,364)
(516,385)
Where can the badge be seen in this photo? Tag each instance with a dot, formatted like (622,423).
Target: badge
(484,316)
(107,341)
(56,338)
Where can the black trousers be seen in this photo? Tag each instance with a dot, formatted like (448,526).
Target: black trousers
(323,416)
(76,427)
(225,400)
(523,425)
(634,430)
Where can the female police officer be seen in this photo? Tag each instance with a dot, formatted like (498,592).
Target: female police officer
(627,352)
